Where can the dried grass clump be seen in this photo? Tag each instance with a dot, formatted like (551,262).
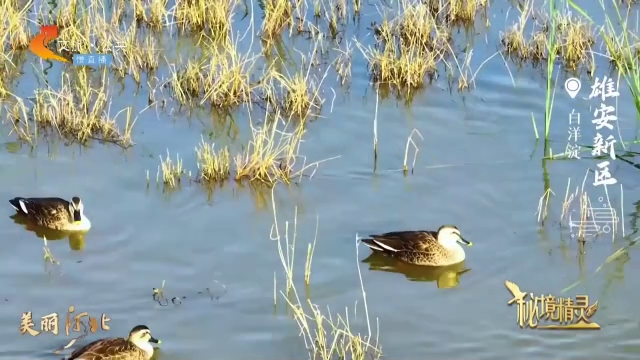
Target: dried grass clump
(66,14)
(212,17)
(90,32)
(9,70)
(186,83)
(296,96)
(514,42)
(417,27)
(271,155)
(14,28)
(213,166)
(573,38)
(227,79)
(576,40)
(79,112)
(171,170)
(136,53)
(517,45)
(277,15)
(222,77)
(623,51)
(461,11)
(409,47)
(83,31)
(158,14)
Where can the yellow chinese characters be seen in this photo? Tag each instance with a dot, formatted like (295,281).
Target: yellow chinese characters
(50,323)
(555,312)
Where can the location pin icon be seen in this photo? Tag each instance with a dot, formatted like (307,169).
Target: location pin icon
(572,85)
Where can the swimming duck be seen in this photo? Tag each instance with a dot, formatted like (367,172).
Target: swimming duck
(428,248)
(136,347)
(53,213)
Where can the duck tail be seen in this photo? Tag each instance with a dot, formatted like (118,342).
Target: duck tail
(372,244)
(18,204)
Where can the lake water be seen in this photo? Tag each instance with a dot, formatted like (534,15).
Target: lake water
(478,167)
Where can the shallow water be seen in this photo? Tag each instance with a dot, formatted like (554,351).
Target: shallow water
(478,167)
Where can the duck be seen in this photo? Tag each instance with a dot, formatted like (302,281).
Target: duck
(136,347)
(53,213)
(421,247)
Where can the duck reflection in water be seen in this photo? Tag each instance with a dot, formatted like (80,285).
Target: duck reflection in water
(446,277)
(76,239)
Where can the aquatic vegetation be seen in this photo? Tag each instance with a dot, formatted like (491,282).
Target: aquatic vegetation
(18,116)
(82,31)
(221,76)
(90,32)
(272,156)
(134,55)
(79,111)
(138,9)
(4,88)
(409,47)
(227,79)
(621,44)
(48,255)
(544,44)
(171,170)
(277,15)
(356,6)
(460,11)
(66,14)
(573,37)
(577,38)
(327,336)
(185,83)
(14,29)
(206,16)
(294,95)
(342,64)
(410,143)
(158,14)
(572,217)
(213,166)
(154,13)
(293,87)
(517,45)
(272,153)
(8,72)
(335,13)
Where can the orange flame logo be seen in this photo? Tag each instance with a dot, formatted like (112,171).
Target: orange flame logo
(38,44)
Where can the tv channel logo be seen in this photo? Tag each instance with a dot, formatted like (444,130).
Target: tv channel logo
(39,43)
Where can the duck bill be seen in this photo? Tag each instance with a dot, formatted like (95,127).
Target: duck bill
(76,216)
(154,340)
(464,241)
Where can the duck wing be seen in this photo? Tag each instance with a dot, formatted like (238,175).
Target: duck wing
(41,207)
(102,349)
(411,241)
